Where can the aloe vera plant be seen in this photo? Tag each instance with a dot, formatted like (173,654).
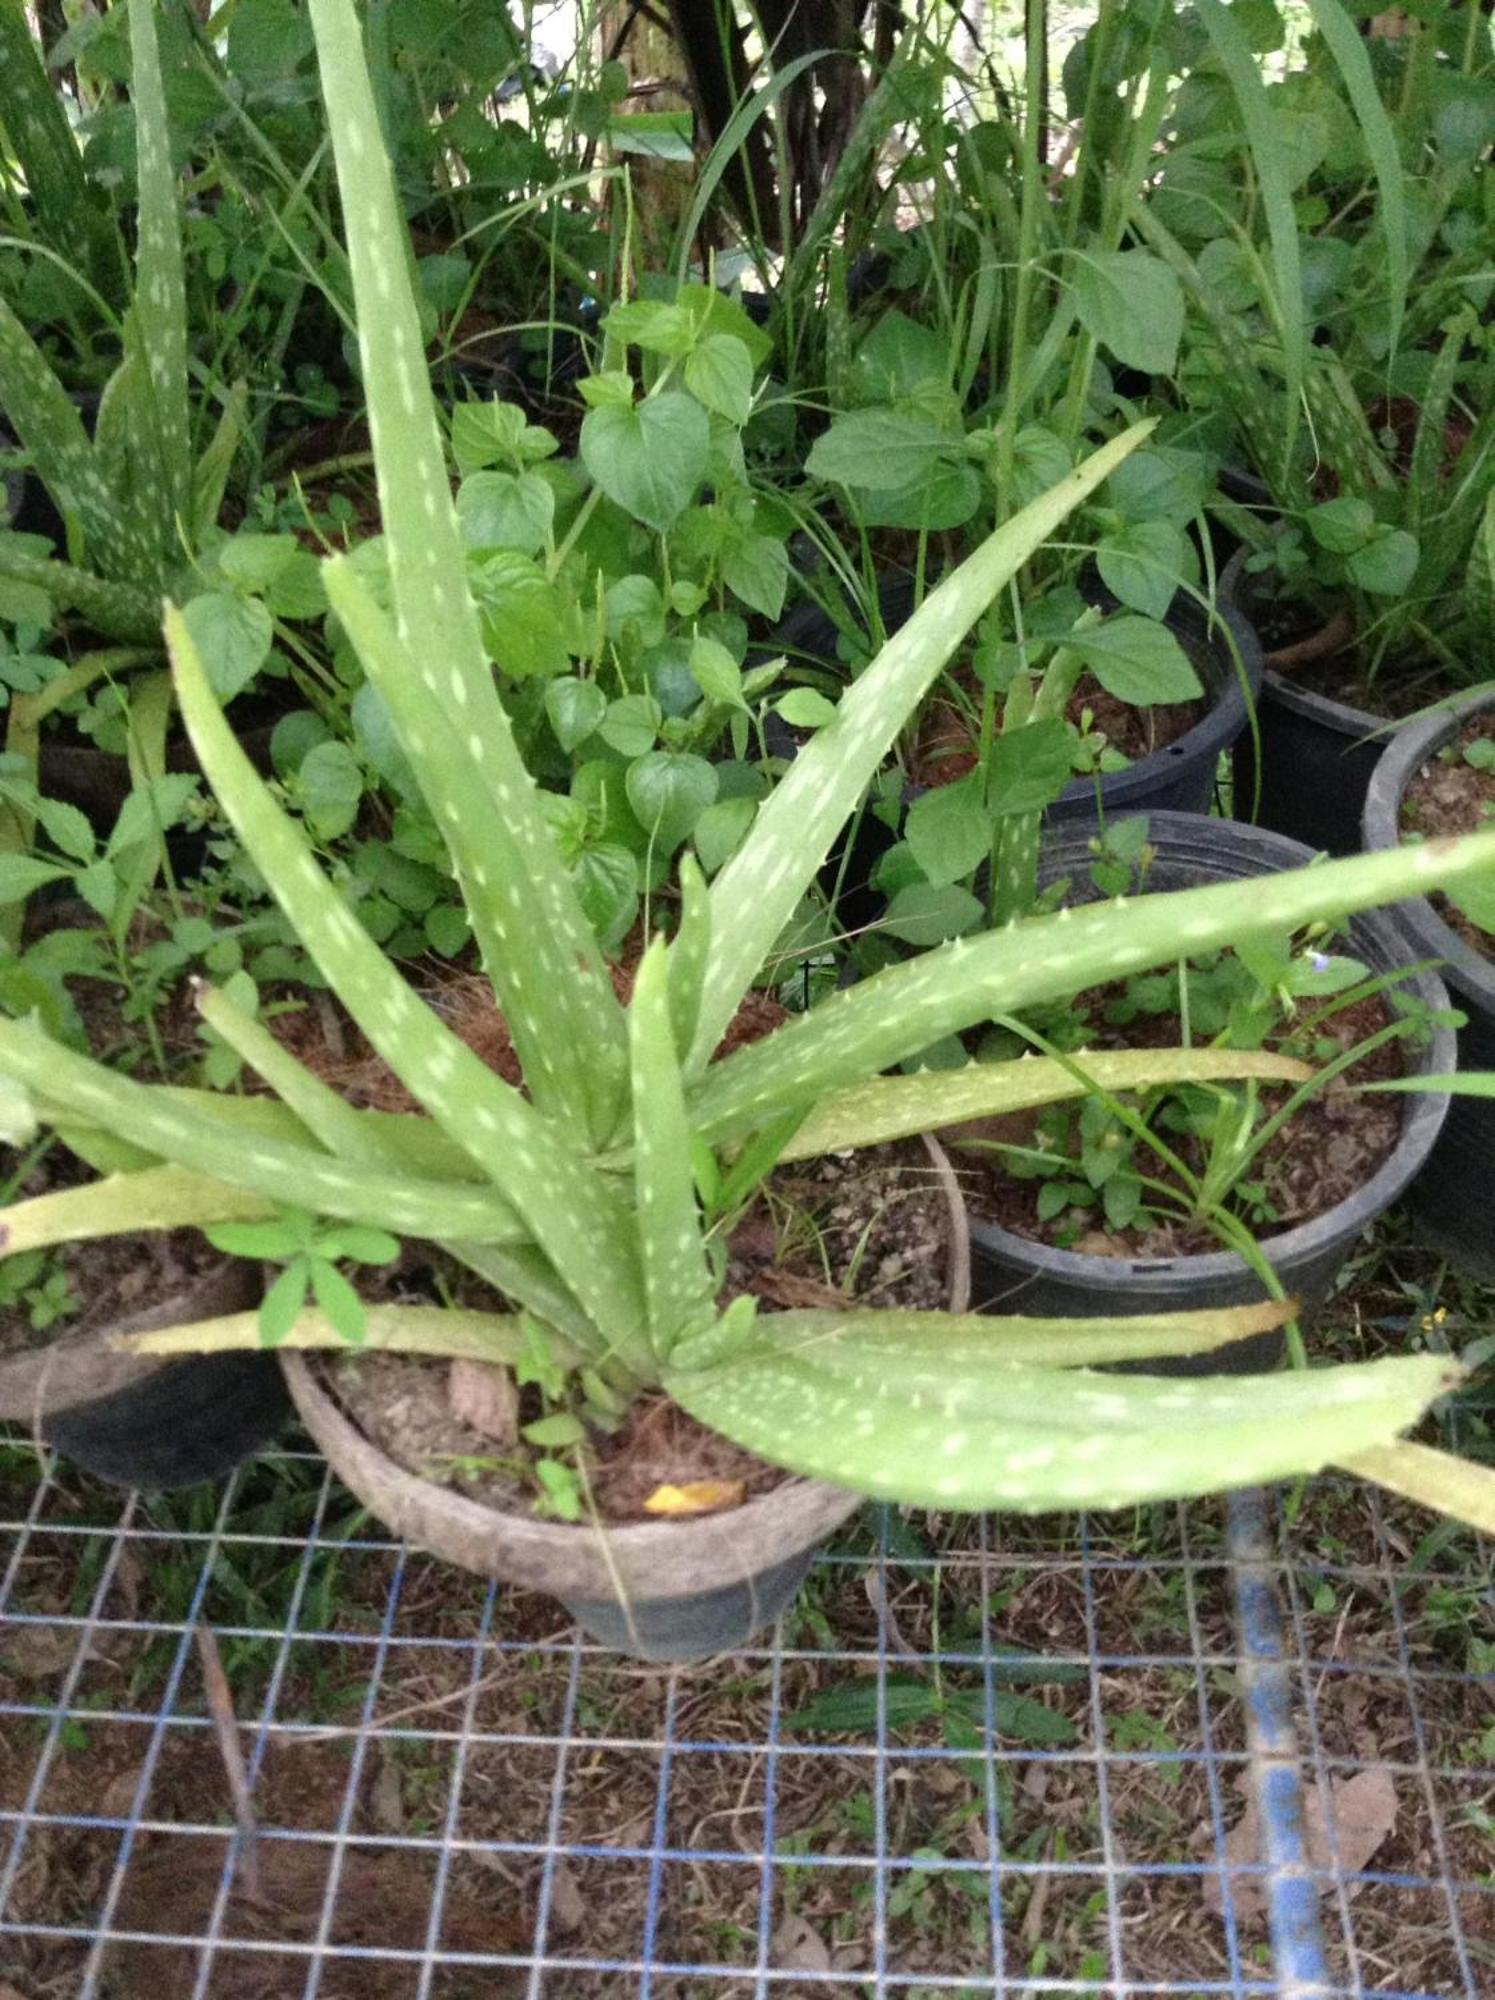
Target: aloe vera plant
(132,495)
(577,1197)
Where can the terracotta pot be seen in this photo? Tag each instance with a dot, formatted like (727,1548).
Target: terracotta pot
(147,1421)
(666,1590)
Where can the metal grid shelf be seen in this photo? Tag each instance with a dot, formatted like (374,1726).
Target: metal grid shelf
(446,1793)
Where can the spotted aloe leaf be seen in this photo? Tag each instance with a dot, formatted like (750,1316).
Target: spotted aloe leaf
(568,1208)
(264,1166)
(1035,1439)
(439,1331)
(153,1198)
(758,890)
(42,142)
(927,1346)
(896,1107)
(156,332)
(436,621)
(552,986)
(886,1019)
(677,1279)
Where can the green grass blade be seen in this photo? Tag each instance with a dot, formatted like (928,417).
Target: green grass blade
(547,971)
(1346,44)
(886,1019)
(897,1107)
(757,892)
(677,1279)
(568,1209)
(1036,1440)
(1243,73)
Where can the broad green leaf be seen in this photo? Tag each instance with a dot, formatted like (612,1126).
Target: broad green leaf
(924,915)
(234,636)
(506,510)
(878,449)
(1137,660)
(668,791)
(1028,768)
(329,785)
(719,373)
(21,874)
(755,568)
(1142,564)
(575,709)
(1131,303)
(338,1300)
(650,457)
(949,830)
(1387,564)
(283,1301)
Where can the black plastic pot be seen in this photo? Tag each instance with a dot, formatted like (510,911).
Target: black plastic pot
(151,1423)
(1453,1198)
(1012,1274)
(1179,778)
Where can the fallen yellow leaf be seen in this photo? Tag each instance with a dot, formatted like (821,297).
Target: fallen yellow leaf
(697,1496)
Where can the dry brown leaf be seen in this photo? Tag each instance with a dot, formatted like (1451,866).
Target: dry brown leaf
(386,1794)
(482,1395)
(9,1992)
(799,1947)
(118,1796)
(1364,1816)
(34,1651)
(696,1496)
(568,1906)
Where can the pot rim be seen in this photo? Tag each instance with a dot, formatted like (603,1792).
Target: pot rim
(1412,746)
(650,1560)
(84,1367)
(1422,1119)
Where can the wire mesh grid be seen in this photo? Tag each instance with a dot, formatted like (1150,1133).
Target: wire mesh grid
(1209,1751)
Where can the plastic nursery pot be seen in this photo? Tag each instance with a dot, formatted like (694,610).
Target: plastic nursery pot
(1451,1198)
(1013,1274)
(147,1422)
(1177,778)
(1314,756)
(659,1590)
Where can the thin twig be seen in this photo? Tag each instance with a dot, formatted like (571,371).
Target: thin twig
(226,1728)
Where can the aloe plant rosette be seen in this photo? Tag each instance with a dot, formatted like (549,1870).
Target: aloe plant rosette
(577,1196)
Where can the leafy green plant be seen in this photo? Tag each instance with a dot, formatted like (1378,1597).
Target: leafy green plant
(577,1198)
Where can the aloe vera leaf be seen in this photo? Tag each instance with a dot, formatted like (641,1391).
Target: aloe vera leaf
(211,473)
(928,1347)
(690,949)
(42,413)
(677,1279)
(906,1008)
(896,1107)
(1035,1440)
(436,621)
(758,890)
(568,1209)
(442,1332)
(1437,1479)
(273,1168)
(158,312)
(552,987)
(154,1198)
(116,610)
(42,141)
